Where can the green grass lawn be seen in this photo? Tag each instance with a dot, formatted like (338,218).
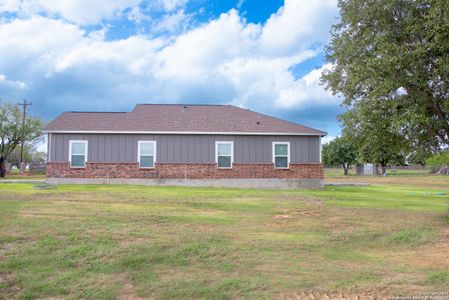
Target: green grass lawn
(106,242)
(14,175)
(330,173)
(22,177)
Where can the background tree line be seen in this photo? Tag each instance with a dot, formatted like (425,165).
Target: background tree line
(389,60)
(13,131)
(345,152)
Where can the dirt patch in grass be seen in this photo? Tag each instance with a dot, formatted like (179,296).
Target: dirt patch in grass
(336,295)
(435,255)
(277,217)
(5,249)
(127,289)
(298,214)
(307,207)
(307,213)
(128,241)
(8,288)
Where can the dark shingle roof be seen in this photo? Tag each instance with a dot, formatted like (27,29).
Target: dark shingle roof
(178,118)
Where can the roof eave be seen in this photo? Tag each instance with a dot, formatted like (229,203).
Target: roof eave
(321,133)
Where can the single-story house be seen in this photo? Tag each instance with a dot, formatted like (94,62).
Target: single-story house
(172,144)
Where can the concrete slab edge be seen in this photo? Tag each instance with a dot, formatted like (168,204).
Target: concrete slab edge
(232,183)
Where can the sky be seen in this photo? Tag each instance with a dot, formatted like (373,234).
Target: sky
(103,55)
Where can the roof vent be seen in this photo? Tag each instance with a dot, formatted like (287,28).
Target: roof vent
(185,106)
(257,122)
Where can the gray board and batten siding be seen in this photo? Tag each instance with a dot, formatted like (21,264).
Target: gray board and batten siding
(183,148)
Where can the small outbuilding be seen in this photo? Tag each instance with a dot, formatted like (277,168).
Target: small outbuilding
(367,169)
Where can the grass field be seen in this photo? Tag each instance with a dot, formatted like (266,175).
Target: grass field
(23,177)
(338,172)
(14,175)
(106,242)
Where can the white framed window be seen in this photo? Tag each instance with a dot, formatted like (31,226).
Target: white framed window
(77,153)
(224,154)
(281,155)
(146,154)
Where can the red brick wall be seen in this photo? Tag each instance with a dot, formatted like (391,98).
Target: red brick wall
(181,171)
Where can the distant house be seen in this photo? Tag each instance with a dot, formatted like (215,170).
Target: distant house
(211,145)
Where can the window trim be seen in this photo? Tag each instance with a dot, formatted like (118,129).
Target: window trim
(232,153)
(85,155)
(154,154)
(274,154)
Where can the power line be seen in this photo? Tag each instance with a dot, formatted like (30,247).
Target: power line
(25,103)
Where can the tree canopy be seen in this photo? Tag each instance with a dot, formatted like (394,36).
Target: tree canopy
(340,152)
(390,61)
(374,133)
(13,132)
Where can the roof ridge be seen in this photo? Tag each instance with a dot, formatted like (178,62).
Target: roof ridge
(279,119)
(98,112)
(180,104)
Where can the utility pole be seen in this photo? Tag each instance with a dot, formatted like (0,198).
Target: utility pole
(25,103)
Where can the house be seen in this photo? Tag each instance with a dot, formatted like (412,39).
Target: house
(171,144)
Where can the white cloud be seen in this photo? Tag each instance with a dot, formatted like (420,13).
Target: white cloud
(199,53)
(76,11)
(305,91)
(240,3)
(9,5)
(171,5)
(326,139)
(298,25)
(15,84)
(175,22)
(225,60)
(30,48)
(134,54)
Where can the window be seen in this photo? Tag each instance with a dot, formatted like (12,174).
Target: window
(146,154)
(77,154)
(281,154)
(224,156)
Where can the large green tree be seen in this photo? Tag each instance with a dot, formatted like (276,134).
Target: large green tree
(13,132)
(375,134)
(394,52)
(340,152)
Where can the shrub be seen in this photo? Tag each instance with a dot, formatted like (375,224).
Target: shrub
(439,160)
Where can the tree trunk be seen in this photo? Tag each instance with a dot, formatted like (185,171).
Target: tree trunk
(384,169)
(345,169)
(2,167)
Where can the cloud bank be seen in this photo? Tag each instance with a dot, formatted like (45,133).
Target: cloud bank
(50,55)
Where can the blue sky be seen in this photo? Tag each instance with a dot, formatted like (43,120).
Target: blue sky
(266,55)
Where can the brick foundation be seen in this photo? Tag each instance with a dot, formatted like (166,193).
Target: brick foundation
(184,171)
